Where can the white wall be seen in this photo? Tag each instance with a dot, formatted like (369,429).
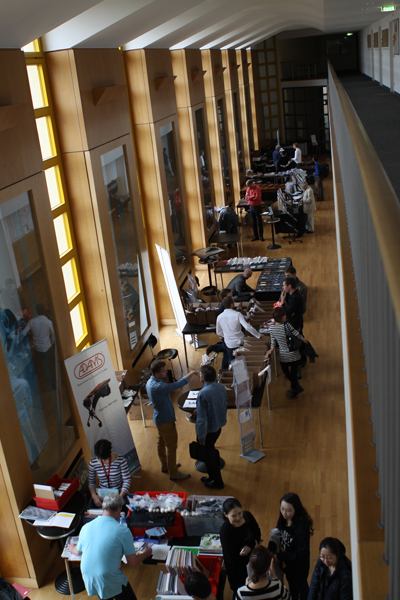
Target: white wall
(370,56)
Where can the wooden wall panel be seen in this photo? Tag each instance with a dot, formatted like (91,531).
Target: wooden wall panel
(243,71)
(74,74)
(214,77)
(229,61)
(255,96)
(20,155)
(189,85)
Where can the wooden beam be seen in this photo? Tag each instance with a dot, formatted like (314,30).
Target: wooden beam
(108,95)
(163,83)
(10,115)
(195,75)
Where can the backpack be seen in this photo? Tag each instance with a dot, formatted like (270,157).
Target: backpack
(324,170)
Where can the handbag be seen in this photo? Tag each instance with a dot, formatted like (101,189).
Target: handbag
(294,343)
(197,451)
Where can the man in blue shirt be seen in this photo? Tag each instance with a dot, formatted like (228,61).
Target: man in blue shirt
(318,178)
(102,543)
(211,410)
(164,417)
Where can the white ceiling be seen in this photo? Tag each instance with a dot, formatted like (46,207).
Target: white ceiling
(173,23)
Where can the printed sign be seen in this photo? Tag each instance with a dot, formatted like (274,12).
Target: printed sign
(95,387)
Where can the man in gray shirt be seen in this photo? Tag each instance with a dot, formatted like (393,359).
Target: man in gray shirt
(240,290)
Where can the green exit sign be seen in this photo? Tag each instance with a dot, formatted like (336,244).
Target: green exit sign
(388,8)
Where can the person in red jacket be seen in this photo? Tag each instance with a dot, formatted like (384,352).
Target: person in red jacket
(253,195)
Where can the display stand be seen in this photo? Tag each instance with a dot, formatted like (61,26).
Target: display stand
(245,413)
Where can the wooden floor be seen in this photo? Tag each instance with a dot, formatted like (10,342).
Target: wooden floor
(304,439)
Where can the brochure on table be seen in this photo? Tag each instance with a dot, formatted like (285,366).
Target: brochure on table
(95,388)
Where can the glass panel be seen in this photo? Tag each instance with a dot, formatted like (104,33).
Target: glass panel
(224,150)
(249,117)
(289,108)
(263,84)
(207,188)
(298,94)
(274,110)
(267,124)
(262,70)
(36,84)
(78,322)
(264,98)
(63,236)
(238,131)
(273,96)
(270,56)
(287,94)
(54,186)
(31,47)
(126,247)
(266,111)
(272,83)
(46,138)
(275,123)
(290,122)
(70,279)
(271,70)
(261,57)
(29,344)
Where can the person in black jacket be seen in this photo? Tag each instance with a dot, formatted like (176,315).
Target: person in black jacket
(292,302)
(295,526)
(240,534)
(332,578)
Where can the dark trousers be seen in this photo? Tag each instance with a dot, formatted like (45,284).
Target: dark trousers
(212,457)
(298,588)
(255,213)
(290,370)
(126,594)
(320,188)
(228,357)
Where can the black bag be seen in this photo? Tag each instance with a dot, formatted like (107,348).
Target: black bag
(8,592)
(197,451)
(294,343)
(324,170)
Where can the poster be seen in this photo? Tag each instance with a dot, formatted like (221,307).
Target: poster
(95,388)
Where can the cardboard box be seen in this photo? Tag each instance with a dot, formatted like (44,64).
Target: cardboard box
(191,317)
(211,314)
(122,378)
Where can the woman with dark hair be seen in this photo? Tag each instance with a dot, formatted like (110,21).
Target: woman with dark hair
(295,527)
(240,534)
(290,360)
(263,584)
(332,578)
(111,469)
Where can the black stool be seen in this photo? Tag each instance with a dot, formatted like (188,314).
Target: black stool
(169,354)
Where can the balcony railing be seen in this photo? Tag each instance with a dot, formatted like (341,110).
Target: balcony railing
(294,70)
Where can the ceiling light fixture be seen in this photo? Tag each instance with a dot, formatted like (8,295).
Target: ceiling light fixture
(349,34)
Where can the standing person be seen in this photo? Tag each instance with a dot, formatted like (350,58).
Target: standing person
(263,583)
(43,338)
(291,272)
(102,544)
(332,577)
(318,177)
(276,156)
(297,154)
(229,327)
(211,407)
(308,206)
(253,196)
(240,290)
(292,302)
(290,360)
(239,534)
(164,417)
(111,469)
(296,527)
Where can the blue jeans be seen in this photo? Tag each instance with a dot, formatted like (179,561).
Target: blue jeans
(228,357)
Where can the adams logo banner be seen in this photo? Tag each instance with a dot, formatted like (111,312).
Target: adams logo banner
(97,396)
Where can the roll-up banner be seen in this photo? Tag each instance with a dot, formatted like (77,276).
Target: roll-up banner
(95,388)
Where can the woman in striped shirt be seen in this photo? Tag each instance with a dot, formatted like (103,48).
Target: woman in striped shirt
(290,360)
(111,469)
(263,583)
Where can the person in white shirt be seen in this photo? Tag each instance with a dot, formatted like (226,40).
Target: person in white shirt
(229,327)
(297,153)
(43,338)
(309,206)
